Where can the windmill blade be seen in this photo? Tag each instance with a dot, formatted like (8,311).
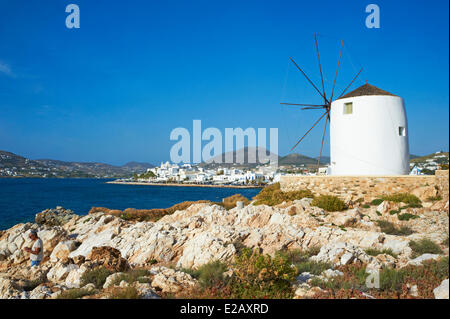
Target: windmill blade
(320,68)
(350,83)
(335,76)
(308,131)
(303,104)
(308,79)
(321,146)
(313,108)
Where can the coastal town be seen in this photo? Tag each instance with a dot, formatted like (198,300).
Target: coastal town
(169,173)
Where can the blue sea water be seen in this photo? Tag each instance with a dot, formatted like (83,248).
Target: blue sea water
(22,198)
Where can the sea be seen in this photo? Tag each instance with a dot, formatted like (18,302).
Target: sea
(22,198)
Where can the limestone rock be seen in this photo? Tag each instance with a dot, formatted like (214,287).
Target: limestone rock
(171,281)
(62,250)
(441,292)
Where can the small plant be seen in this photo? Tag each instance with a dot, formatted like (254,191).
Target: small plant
(95,276)
(407,216)
(424,246)
(272,195)
(377,201)
(329,203)
(376,252)
(75,293)
(434,198)
(131,276)
(124,293)
(378,213)
(390,229)
(210,274)
(403,198)
(366,206)
(230,202)
(261,276)
(393,212)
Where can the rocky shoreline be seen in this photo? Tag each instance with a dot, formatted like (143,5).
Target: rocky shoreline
(162,256)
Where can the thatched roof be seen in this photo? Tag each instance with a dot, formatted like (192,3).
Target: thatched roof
(366,89)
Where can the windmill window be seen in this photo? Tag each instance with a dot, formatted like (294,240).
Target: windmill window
(401,131)
(348,108)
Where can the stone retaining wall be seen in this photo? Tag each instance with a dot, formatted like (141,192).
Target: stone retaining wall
(369,187)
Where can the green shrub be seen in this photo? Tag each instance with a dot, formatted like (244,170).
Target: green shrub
(366,206)
(403,198)
(313,267)
(377,201)
(124,293)
(261,276)
(424,246)
(272,195)
(295,256)
(407,216)
(390,229)
(210,274)
(132,276)
(376,252)
(434,198)
(95,276)
(75,293)
(329,203)
(393,212)
(378,213)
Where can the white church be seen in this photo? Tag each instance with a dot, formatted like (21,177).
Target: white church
(368,134)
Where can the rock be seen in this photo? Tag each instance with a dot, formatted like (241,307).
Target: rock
(305,292)
(111,279)
(8,289)
(441,292)
(341,253)
(419,260)
(384,207)
(90,287)
(60,272)
(171,281)
(424,192)
(108,257)
(55,217)
(62,250)
(330,273)
(303,278)
(203,248)
(413,290)
(346,218)
(40,292)
(146,291)
(94,240)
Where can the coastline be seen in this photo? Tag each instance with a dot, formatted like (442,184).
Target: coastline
(184,185)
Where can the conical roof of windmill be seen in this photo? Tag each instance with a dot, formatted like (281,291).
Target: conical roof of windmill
(366,89)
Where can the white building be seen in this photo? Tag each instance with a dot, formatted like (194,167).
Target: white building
(368,134)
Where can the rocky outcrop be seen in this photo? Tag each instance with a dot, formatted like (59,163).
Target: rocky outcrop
(55,217)
(108,257)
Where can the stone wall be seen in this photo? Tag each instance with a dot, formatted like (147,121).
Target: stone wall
(369,187)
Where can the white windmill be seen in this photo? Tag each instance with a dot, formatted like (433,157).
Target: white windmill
(368,128)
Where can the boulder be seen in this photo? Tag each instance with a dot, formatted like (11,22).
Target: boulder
(111,279)
(60,271)
(171,281)
(419,260)
(424,192)
(62,250)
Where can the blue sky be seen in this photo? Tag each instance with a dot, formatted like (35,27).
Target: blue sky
(113,90)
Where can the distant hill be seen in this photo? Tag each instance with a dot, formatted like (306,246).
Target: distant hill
(15,165)
(244,153)
(137,166)
(296,159)
(420,159)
